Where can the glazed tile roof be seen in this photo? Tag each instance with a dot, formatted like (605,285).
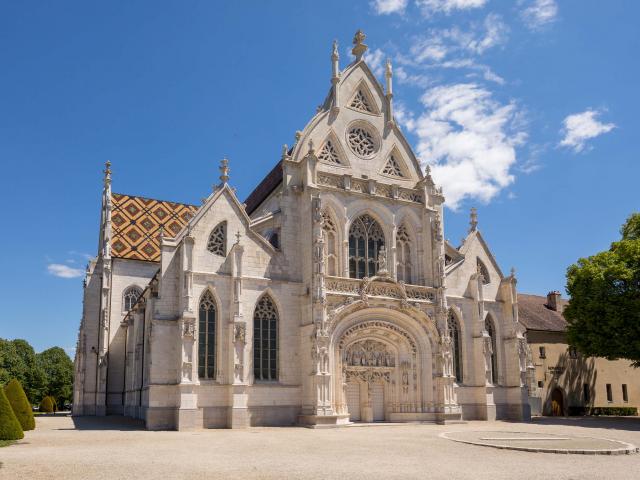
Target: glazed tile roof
(534,314)
(136,223)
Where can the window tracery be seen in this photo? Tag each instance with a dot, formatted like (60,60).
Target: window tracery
(482,270)
(488,326)
(393,168)
(403,254)
(207,336)
(366,238)
(218,240)
(456,345)
(330,244)
(329,153)
(361,103)
(265,340)
(130,297)
(361,141)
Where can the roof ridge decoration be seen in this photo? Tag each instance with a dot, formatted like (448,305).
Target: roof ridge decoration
(359,47)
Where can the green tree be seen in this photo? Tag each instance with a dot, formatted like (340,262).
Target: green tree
(47,405)
(10,428)
(604,307)
(20,404)
(18,360)
(58,369)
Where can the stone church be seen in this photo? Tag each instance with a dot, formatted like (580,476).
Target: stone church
(329,296)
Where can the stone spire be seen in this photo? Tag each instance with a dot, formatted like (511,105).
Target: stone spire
(335,75)
(224,170)
(358,45)
(388,75)
(473,222)
(107,173)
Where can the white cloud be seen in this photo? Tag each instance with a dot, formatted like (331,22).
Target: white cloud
(580,127)
(540,13)
(469,138)
(429,7)
(64,271)
(385,7)
(375,60)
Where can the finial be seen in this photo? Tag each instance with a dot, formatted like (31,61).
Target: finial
(224,170)
(473,223)
(334,53)
(238,235)
(427,170)
(285,150)
(358,46)
(298,135)
(513,272)
(107,172)
(311,149)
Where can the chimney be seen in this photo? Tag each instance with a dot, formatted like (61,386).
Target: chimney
(553,300)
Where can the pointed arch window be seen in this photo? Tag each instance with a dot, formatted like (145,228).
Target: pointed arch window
(217,243)
(392,168)
(207,337)
(330,244)
(130,297)
(456,345)
(491,331)
(482,270)
(329,153)
(403,255)
(265,340)
(366,238)
(360,102)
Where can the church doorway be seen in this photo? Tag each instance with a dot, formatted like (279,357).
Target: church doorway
(377,402)
(353,401)
(557,403)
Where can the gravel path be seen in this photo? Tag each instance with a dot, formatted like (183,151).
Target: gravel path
(114,448)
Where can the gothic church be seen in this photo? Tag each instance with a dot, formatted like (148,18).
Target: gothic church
(328,297)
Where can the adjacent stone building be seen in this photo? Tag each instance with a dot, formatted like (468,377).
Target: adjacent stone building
(565,382)
(328,296)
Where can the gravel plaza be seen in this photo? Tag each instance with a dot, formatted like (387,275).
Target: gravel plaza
(115,447)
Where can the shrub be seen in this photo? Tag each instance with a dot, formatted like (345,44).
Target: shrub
(614,411)
(20,404)
(10,428)
(47,405)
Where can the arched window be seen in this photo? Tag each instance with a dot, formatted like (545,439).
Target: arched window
(130,297)
(365,241)
(456,345)
(403,254)
(207,337)
(265,340)
(274,239)
(489,327)
(330,244)
(482,270)
(217,243)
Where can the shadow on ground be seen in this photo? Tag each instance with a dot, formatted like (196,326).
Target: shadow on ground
(631,424)
(110,422)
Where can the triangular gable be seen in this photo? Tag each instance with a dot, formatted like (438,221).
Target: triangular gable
(242,215)
(477,235)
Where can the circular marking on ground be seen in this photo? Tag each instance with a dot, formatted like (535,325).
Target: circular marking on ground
(543,442)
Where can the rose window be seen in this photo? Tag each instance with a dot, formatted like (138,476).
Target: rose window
(361,141)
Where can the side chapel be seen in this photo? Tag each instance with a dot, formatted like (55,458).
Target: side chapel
(329,296)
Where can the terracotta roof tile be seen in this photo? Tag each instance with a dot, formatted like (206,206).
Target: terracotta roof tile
(136,223)
(534,314)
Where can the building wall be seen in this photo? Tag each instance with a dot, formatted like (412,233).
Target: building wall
(557,369)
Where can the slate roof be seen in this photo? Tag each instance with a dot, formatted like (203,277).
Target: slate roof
(264,188)
(534,314)
(136,223)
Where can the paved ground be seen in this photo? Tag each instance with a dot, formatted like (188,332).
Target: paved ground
(114,448)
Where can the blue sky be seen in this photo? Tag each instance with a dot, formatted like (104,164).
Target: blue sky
(526,110)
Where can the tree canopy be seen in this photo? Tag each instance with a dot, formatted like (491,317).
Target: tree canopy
(604,307)
(46,373)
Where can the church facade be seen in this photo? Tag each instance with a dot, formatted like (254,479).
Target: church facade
(329,296)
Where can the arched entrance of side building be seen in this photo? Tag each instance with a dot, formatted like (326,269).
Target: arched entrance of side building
(557,402)
(384,360)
